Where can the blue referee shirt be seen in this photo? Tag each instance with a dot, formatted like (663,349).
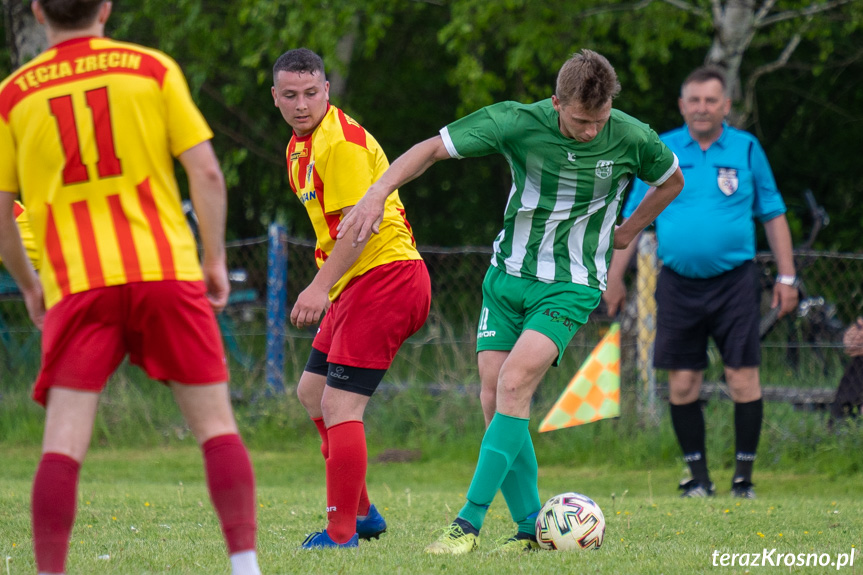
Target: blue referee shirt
(709,228)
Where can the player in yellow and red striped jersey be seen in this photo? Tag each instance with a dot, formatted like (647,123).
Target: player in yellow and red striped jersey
(373,296)
(89,130)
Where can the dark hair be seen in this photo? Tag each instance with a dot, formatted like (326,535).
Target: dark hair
(587,78)
(71,14)
(299,60)
(705,74)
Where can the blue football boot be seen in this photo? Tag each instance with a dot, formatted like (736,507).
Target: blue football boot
(372,526)
(321,540)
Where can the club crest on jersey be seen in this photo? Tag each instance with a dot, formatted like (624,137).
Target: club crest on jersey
(603,168)
(727,180)
(570,156)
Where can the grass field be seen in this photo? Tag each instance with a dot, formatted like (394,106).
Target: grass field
(146,511)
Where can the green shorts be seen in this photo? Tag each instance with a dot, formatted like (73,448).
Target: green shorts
(511,305)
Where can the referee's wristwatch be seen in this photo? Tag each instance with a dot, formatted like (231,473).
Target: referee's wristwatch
(792,281)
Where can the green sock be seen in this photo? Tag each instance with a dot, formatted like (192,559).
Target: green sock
(520,489)
(502,441)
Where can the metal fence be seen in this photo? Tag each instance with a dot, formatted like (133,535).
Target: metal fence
(802,356)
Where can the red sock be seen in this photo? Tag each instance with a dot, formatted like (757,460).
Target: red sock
(322,430)
(346,475)
(363,508)
(53,502)
(232,489)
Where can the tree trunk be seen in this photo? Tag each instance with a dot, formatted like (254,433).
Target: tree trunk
(734,25)
(24,36)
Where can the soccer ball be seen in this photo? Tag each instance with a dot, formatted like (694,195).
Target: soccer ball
(570,521)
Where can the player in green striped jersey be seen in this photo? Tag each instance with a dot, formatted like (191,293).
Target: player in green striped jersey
(571,157)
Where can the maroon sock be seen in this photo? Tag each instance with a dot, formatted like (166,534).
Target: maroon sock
(232,488)
(53,502)
(363,507)
(346,476)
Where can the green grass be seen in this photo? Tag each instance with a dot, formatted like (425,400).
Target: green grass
(147,511)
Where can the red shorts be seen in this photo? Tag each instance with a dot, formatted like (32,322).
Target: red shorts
(375,314)
(167,327)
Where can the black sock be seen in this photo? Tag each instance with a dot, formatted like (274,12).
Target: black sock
(747,429)
(688,423)
(522,535)
(466,526)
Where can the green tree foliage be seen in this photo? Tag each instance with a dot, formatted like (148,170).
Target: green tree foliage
(406,68)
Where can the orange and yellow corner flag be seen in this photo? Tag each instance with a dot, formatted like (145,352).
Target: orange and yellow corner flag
(594,392)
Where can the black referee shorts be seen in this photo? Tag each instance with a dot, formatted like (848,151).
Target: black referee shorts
(725,307)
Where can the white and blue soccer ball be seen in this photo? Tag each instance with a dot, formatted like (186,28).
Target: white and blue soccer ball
(570,521)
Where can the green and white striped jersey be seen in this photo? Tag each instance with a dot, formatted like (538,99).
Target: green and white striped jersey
(565,194)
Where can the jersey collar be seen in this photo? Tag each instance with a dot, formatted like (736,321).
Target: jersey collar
(722,141)
(72,41)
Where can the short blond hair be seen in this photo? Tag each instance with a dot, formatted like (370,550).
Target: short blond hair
(587,78)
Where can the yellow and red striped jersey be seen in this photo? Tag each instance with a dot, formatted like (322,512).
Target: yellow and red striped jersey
(88,133)
(331,169)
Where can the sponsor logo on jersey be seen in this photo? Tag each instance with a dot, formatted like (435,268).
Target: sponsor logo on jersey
(603,169)
(304,153)
(331,508)
(727,180)
(556,317)
(487,333)
(309,171)
(307,196)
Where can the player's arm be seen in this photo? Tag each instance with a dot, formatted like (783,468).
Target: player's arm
(367,215)
(655,200)
(16,261)
(779,238)
(315,299)
(209,198)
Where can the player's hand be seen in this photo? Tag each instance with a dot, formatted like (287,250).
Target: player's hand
(364,219)
(35,301)
(309,307)
(614,296)
(786,297)
(218,285)
(853,339)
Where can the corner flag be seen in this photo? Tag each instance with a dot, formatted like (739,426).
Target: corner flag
(594,392)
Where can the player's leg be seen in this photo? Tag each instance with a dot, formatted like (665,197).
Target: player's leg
(175,337)
(343,404)
(230,478)
(375,314)
(310,392)
(81,346)
(681,348)
(500,324)
(737,337)
(508,432)
(68,427)
(553,316)
(489,363)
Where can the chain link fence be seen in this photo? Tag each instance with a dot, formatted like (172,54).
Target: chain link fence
(802,355)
